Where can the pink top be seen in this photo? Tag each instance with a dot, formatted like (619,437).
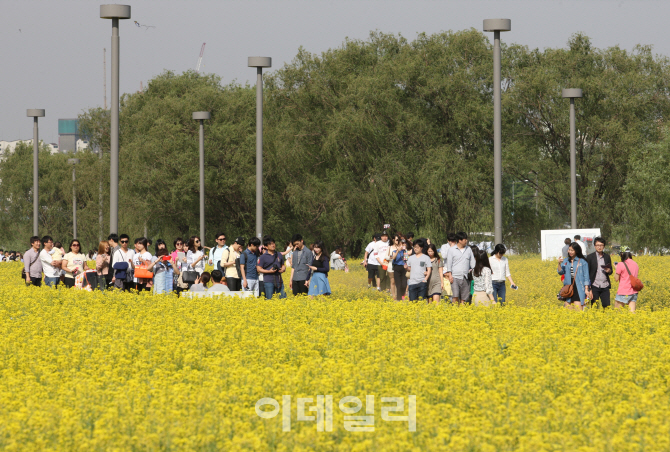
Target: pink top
(102,264)
(624,280)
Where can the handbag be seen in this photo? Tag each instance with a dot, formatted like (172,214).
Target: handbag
(189,277)
(142,272)
(89,280)
(635,282)
(567,291)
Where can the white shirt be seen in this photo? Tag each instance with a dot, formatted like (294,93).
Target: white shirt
(47,268)
(370,249)
(215,255)
(192,257)
(123,256)
(145,256)
(381,252)
(500,268)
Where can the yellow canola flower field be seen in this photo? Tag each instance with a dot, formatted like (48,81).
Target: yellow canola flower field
(117,371)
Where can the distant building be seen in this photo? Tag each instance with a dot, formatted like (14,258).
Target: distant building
(68,134)
(8,147)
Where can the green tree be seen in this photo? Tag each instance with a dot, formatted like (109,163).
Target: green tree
(643,213)
(625,95)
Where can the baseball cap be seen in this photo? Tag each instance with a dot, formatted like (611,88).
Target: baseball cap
(240,241)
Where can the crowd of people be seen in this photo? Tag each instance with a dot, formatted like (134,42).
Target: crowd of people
(241,266)
(415,269)
(405,267)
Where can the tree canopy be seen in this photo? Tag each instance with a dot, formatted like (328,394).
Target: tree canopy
(376,131)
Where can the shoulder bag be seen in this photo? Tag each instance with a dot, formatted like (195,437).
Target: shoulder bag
(237,264)
(189,276)
(569,290)
(635,282)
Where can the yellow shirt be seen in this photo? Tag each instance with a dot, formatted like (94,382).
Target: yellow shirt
(229,256)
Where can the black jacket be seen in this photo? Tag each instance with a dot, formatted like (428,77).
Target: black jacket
(592,260)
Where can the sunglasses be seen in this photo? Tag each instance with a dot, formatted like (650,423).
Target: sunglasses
(223,239)
(196,241)
(123,241)
(75,244)
(179,243)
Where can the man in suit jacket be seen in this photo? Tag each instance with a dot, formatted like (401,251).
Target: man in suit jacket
(600,269)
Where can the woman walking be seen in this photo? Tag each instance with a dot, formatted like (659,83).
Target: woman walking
(575,269)
(482,282)
(399,264)
(435,284)
(626,295)
(141,257)
(318,283)
(162,268)
(500,269)
(74,262)
(102,264)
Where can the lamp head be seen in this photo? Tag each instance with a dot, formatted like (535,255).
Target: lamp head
(497,24)
(572,92)
(260,62)
(202,115)
(35,113)
(115,11)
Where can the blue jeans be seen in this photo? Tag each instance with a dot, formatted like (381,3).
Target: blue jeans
(271,289)
(417,291)
(499,291)
(159,282)
(51,282)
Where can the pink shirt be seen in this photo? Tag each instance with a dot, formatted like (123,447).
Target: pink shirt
(624,280)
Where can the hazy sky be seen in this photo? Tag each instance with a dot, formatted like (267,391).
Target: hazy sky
(55,60)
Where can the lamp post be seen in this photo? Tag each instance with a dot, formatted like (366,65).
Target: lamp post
(36,113)
(259,63)
(114,12)
(74,162)
(572,93)
(201,116)
(496,26)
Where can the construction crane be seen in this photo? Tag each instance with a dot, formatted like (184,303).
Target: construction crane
(202,50)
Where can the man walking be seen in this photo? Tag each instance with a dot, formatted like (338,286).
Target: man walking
(419,272)
(381,254)
(248,262)
(564,250)
(32,264)
(600,269)
(113,242)
(229,264)
(300,262)
(460,261)
(451,242)
(217,251)
(271,265)
(123,255)
(578,240)
(370,262)
(50,266)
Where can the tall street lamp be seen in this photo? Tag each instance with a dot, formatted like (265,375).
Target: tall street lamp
(496,26)
(259,63)
(114,12)
(201,116)
(572,93)
(36,113)
(74,162)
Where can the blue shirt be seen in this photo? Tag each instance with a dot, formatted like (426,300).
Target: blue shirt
(399,258)
(266,261)
(249,260)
